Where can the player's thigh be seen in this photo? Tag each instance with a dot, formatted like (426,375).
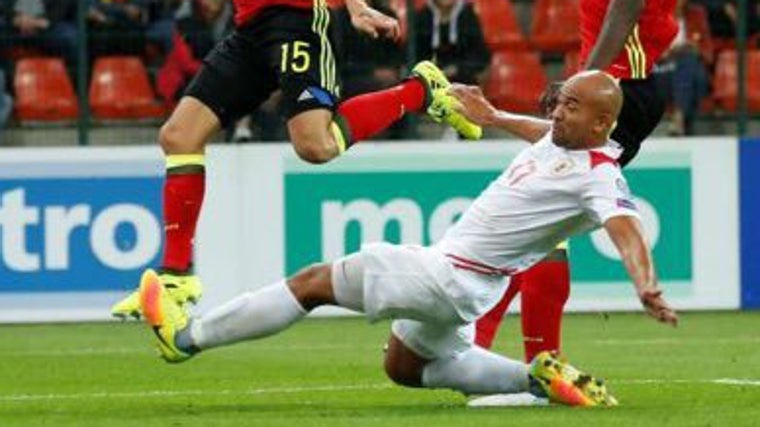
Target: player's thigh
(402,364)
(309,131)
(301,54)
(394,281)
(643,108)
(234,79)
(433,340)
(189,127)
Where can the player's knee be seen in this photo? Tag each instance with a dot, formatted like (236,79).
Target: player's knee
(312,286)
(402,365)
(313,147)
(175,140)
(402,374)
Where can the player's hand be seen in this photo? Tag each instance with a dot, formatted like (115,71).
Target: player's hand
(371,22)
(657,307)
(473,104)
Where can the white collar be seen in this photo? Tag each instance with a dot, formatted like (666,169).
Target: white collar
(611,149)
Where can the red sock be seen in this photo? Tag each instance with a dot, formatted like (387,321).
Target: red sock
(544,291)
(183,196)
(486,326)
(364,116)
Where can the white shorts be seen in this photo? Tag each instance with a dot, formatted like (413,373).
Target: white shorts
(433,303)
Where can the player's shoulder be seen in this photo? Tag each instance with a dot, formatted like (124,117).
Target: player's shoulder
(605,158)
(603,168)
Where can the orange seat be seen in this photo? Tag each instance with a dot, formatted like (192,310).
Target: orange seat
(516,81)
(120,90)
(725,87)
(499,24)
(555,25)
(44,91)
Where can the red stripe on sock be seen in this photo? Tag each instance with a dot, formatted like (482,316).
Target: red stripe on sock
(369,114)
(183,197)
(545,289)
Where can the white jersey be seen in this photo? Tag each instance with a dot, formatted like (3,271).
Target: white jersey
(546,195)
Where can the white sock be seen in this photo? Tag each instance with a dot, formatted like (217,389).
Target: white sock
(477,371)
(252,315)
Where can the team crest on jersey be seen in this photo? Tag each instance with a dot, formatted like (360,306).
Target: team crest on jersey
(563,167)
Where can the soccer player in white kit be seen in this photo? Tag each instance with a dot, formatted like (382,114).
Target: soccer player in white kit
(566,183)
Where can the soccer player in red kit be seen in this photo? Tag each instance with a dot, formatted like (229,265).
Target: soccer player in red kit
(624,38)
(283,44)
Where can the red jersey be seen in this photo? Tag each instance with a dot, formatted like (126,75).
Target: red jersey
(652,35)
(245,10)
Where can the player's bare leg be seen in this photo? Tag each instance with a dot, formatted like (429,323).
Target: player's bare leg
(311,133)
(189,128)
(320,135)
(252,315)
(183,139)
(402,365)
(274,308)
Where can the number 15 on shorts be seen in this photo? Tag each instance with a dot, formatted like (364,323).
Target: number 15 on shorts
(295,56)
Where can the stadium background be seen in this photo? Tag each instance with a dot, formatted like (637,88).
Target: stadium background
(81,217)
(80,180)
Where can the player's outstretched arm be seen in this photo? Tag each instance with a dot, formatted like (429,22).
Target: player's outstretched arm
(475,107)
(626,233)
(372,22)
(619,21)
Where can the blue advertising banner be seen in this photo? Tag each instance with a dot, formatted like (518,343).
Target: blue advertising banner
(78,227)
(749,158)
(77,234)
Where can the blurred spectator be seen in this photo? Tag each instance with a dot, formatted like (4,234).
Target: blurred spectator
(162,18)
(207,22)
(723,17)
(117,27)
(48,25)
(448,31)
(6,102)
(197,30)
(682,75)
(367,64)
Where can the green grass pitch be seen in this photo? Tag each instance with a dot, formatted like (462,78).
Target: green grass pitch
(328,372)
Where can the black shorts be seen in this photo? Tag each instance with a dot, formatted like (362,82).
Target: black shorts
(643,108)
(283,47)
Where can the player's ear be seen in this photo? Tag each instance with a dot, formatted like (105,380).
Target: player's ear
(603,124)
(599,126)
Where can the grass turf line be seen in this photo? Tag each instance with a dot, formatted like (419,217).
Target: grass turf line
(328,372)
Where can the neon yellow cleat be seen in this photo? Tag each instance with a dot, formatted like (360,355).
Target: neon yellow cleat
(164,315)
(563,383)
(183,288)
(129,306)
(440,105)
(444,106)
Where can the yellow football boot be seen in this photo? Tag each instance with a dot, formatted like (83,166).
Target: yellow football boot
(164,315)
(183,288)
(440,105)
(565,384)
